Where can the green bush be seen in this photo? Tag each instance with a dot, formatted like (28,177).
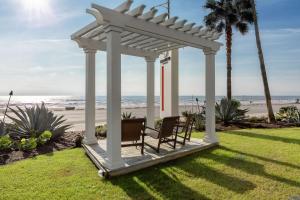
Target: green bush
(5,143)
(199,120)
(228,111)
(289,114)
(32,122)
(101,130)
(28,144)
(158,123)
(44,137)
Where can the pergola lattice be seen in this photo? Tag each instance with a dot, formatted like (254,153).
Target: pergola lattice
(133,32)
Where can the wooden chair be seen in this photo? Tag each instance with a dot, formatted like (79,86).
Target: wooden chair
(186,129)
(133,130)
(166,132)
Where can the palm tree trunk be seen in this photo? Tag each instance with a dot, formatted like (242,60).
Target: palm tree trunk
(229,68)
(262,65)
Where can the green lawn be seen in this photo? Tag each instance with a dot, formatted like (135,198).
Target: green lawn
(249,164)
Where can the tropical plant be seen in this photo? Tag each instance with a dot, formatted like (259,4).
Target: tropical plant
(261,60)
(5,143)
(127,115)
(199,119)
(28,144)
(228,111)
(32,122)
(44,137)
(224,15)
(289,114)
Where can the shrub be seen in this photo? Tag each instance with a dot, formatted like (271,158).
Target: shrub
(28,144)
(199,124)
(5,143)
(32,122)
(44,137)
(289,114)
(229,111)
(101,130)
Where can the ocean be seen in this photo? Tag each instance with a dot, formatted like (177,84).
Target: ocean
(61,102)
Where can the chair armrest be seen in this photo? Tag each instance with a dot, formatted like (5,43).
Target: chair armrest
(151,129)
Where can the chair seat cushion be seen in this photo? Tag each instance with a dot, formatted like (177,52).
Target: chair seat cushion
(152,134)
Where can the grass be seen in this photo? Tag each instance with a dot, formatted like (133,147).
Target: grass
(249,164)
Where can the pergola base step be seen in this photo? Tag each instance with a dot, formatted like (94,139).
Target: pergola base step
(135,161)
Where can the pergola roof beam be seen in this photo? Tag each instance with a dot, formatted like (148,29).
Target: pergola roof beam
(85,30)
(151,44)
(148,15)
(136,40)
(160,18)
(137,11)
(194,30)
(178,25)
(124,7)
(169,22)
(154,47)
(187,27)
(143,42)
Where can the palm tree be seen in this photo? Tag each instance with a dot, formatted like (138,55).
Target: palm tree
(262,63)
(224,15)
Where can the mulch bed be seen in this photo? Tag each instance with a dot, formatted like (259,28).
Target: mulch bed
(245,125)
(66,141)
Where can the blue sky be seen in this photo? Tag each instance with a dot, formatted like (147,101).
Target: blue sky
(38,58)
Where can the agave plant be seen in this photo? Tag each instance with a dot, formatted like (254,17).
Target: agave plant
(127,115)
(32,122)
(229,111)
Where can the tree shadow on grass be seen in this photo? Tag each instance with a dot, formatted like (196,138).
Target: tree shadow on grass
(263,136)
(261,158)
(157,181)
(249,167)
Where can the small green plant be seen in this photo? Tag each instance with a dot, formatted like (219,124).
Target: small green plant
(127,115)
(28,144)
(5,143)
(289,114)
(101,130)
(44,137)
(228,111)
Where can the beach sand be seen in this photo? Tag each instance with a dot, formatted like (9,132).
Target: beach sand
(76,117)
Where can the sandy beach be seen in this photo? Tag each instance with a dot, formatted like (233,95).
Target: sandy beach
(76,117)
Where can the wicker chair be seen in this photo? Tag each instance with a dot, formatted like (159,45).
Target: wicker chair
(133,130)
(166,132)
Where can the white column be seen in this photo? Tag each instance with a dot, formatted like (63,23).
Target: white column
(174,83)
(90,99)
(114,159)
(150,91)
(210,122)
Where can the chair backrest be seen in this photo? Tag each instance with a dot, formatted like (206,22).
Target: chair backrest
(189,123)
(168,125)
(132,129)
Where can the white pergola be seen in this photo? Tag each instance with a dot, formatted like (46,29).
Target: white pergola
(132,32)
